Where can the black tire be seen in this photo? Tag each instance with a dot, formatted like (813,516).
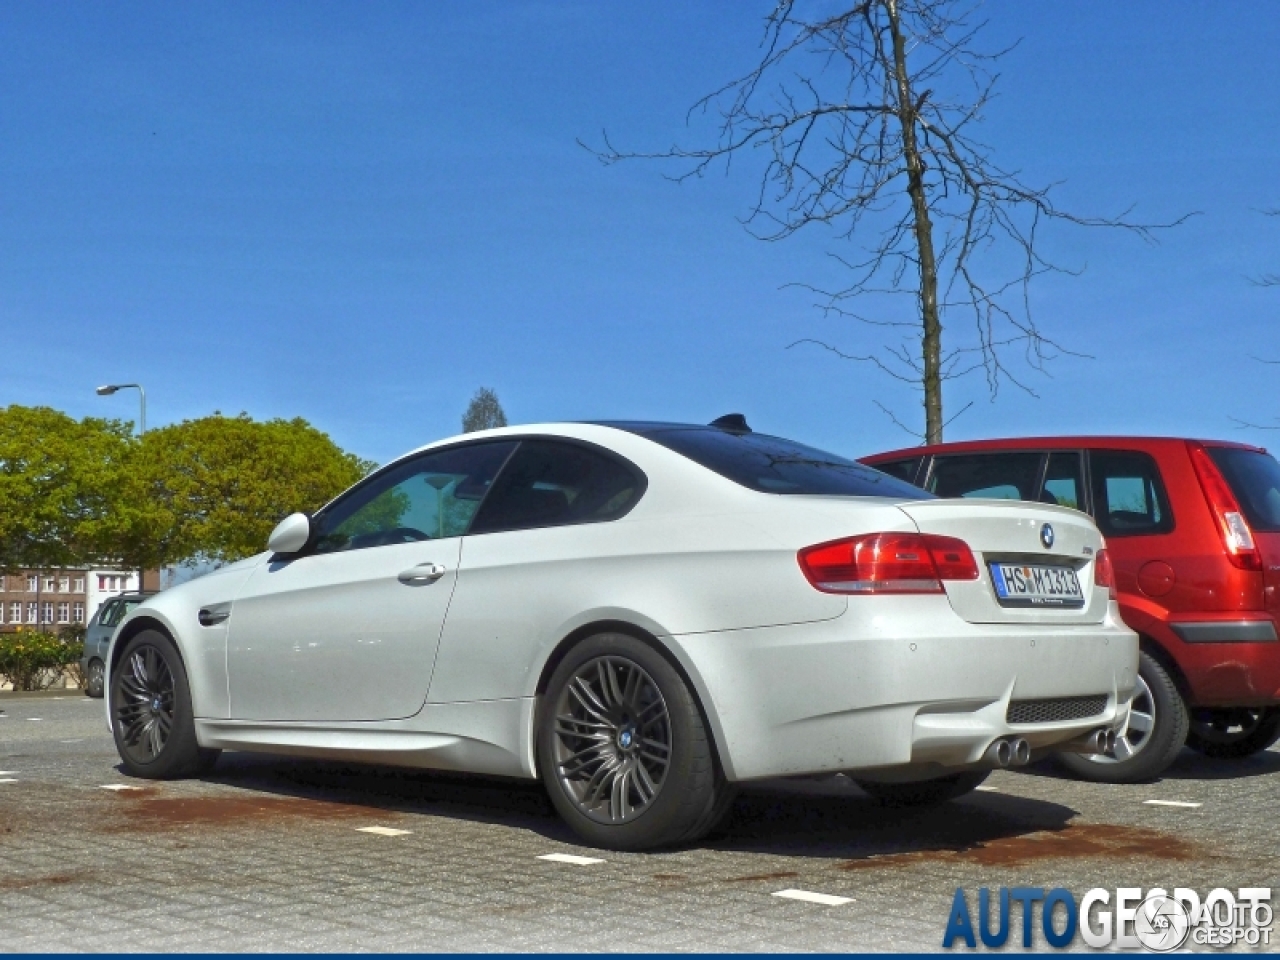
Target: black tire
(1233,734)
(1158,747)
(151,715)
(95,679)
(925,793)
(595,737)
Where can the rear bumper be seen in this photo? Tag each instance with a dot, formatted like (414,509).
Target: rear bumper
(1229,660)
(900,685)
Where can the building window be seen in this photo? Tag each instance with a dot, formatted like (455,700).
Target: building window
(64,585)
(31,611)
(47,613)
(15,613)
(79,613)
(33,583)
(50,584)
(102,582)
(79,584)
(1,613)
(64,613)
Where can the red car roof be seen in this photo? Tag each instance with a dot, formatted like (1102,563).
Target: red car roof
(1040,443)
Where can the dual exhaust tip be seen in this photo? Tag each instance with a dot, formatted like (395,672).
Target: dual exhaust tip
(1016,752)
(1008,752)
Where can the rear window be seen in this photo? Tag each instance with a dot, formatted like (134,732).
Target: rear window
(902,469)
(990,476)
(773,465)
(1128,495)
(1254,478)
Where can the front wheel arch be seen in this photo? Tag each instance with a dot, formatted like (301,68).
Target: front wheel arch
(645,637)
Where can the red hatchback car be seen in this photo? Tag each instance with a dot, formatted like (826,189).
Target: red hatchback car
(1193,532)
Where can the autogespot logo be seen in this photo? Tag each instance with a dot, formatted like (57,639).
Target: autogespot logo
(1126,918)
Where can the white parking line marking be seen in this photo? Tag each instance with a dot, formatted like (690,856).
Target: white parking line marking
(988,789)
(7,780)
(808,897)
(118,786)
(7,773)
(384,831)
(35,718)
(1171,803)
(576,860)
(81,740)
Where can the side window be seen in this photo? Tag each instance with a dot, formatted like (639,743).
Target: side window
(429,497)
(994,476)
(1128,496)
(108,615)
(550,483)
(1064,480)
(902,469)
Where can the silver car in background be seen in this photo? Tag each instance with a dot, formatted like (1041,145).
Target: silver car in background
(97,637)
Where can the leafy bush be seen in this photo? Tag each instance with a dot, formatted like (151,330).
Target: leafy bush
(35,661)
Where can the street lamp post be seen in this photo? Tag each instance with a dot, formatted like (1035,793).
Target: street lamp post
(108,389)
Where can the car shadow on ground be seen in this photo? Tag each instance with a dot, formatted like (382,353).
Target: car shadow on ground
(1189,765)
(829,818)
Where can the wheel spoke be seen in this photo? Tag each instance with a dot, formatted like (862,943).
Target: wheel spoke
(584,758)
(1140,722)
(619,809)
(1124,749)
(631,689)
(644,783)
(611,688)
(590,702)
(652,713)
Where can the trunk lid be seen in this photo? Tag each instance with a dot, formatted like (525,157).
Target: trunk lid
(1010,542)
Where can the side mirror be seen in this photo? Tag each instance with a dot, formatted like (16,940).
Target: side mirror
(291,534)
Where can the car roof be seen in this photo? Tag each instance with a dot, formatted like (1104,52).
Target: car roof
(1041,443)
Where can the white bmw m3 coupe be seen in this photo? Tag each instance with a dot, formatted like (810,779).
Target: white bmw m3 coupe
(644,616)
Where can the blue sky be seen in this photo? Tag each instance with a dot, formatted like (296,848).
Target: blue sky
(359,213)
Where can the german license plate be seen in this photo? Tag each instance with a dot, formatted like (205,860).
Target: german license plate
(1036,585)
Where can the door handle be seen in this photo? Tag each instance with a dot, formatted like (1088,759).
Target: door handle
(423,573)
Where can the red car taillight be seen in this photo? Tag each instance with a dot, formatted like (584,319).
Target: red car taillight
(1103,575)
(1236,535)
(888,563)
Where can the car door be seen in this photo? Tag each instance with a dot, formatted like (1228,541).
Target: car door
(542,549)
(1132,509)
(347,629)
(101,626)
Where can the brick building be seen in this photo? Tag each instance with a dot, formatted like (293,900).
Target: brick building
(48,600)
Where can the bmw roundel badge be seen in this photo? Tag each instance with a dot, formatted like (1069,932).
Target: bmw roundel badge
(1046,536)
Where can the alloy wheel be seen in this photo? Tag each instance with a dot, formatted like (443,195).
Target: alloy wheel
(95,683)
(612,739)
(1142,720)
(144,712)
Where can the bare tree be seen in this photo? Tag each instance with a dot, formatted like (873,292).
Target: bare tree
(484,412)
(1268,279)
(863,121)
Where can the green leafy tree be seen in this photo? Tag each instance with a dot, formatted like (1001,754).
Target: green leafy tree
(484,412)
(212,489)
(59,481)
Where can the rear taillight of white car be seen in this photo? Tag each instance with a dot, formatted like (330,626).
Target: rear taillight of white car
(1103,575)
(1232,526)
(888,563)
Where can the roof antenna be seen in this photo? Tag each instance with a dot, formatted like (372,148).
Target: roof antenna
(731,423)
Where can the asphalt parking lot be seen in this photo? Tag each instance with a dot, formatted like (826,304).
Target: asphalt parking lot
(277,854)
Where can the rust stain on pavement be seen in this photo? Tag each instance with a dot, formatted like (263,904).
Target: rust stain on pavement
(1084,841)
(52,879)
(147,809)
